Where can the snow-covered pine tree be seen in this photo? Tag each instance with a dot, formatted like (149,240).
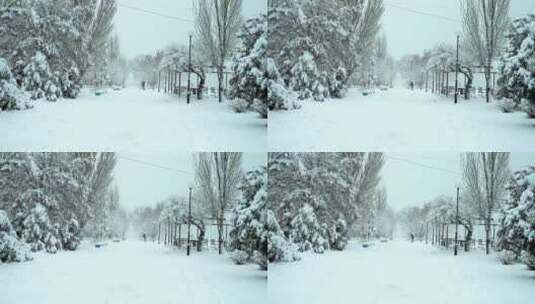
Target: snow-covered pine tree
(516,232)
(516,67)
(11,249)
(305,229)
(280,249)
(249,232)
(11,97)
(39,80)
(32,223)
(249,80)
(306,80)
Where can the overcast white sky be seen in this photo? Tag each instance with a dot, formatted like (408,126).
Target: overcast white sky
(142,185)
(144,33)
(409,32)
(412,185)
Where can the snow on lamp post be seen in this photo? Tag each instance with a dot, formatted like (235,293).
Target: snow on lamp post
(189,223)
(456,223)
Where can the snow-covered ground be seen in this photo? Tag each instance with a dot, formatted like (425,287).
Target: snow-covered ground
(399,120)
(132,120)
(131,272)
(400,272)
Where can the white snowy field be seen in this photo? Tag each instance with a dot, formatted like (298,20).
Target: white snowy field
(399,120)
(131,272)
(400,272)
(131,120)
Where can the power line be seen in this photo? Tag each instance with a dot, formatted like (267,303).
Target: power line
(423,13)
(415,163)
(146,163)
(154,13)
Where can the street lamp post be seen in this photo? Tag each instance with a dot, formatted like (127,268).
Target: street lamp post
(189,71)
(457,74)
(189,222)
(456,223)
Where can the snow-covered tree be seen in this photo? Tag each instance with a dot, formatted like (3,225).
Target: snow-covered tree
(216,25)
(51,197)
(318,198)
(305,230)
(39,80)
(69,35)
(249,231)
(516,232)
(320,45)
(11,97)
(175,211)
(443,58)
(249,80)
(485,176)
(11,249)
(32,223)
(218,176)
(516,67)
(485,23)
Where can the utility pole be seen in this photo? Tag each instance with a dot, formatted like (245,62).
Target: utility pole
(457,84)
(456,223)
(189,222)
(189,75)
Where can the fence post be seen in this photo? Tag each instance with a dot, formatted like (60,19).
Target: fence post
(179,85)
(179,235)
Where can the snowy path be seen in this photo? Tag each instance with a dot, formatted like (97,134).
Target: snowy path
(132,120)
(400,120)
(130,273)
(400,272)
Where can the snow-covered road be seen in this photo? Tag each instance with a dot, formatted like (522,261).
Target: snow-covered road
(399,120)
(400,272)
(128,273)
(132,120)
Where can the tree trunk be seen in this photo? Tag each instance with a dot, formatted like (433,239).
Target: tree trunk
(200,240)
(487,236)
(220,236)
(220,82)
(487,83)
(467,89)
(200,88)
(467,240)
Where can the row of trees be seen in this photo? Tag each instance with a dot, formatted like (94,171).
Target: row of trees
(484,177)
(222,194)
(317,201)
(490,41)
(439,211)
(442,58)
(317,48)
(222,40)
(50,47)
(485,24)
(51,200)
(490,194)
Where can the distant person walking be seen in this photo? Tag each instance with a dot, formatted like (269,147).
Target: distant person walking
(143,85)
(411,84)
(412,237)
(144,237)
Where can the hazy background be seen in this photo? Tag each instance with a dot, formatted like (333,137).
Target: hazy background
(411,32)
(144,185)
(410,184)
(144,33)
